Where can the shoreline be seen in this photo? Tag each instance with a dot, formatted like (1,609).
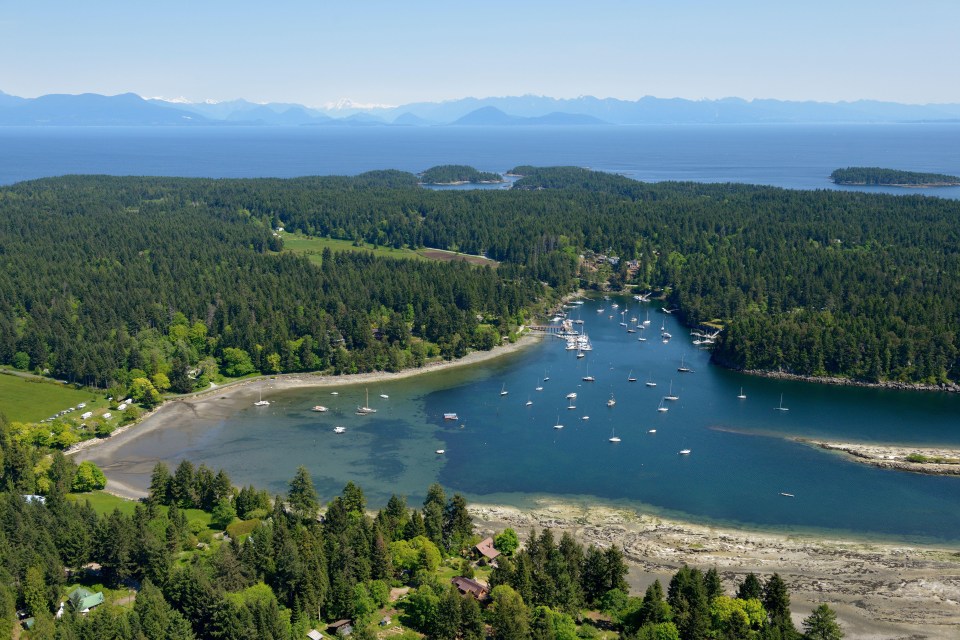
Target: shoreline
(952,387)
(879,589)
(166,411)
(940,461)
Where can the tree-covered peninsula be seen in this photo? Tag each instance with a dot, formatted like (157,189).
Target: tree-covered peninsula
(457,174)
(107,281)
(875,176)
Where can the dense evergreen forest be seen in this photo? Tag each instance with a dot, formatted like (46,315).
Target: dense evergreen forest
(279,571)
(107,280)
(456,173)
(878,176)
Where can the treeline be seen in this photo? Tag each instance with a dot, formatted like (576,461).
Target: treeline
(878,176)
(452,173)
(818,283)
(111,281)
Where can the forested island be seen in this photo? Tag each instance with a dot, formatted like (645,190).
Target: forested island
(875,176)
(457,174)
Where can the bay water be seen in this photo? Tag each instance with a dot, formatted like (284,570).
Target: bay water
(743,453)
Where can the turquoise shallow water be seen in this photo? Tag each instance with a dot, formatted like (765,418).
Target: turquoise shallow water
(500,450)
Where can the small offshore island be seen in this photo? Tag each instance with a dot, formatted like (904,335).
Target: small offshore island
(454,174)
(876,176)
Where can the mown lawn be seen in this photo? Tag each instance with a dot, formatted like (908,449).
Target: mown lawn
(33,399)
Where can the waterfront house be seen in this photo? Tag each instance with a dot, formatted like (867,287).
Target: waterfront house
(486,549)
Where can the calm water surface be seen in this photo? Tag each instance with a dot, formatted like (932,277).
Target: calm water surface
(791,156)
(501,450)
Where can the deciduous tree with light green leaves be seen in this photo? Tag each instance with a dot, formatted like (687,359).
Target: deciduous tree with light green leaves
(89,477)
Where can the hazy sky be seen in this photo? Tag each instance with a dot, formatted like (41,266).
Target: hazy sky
(392,52)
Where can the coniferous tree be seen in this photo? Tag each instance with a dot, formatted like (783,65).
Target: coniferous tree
(302,496)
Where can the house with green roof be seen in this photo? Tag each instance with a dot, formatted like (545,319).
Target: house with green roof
(82,600)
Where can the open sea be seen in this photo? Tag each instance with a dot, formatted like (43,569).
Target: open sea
(742,455)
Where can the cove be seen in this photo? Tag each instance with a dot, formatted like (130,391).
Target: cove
(741,460)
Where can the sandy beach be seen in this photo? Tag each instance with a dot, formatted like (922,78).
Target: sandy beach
(879,590)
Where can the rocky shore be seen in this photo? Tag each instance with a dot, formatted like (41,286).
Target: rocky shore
(879,590)
(951,387)
(928,460)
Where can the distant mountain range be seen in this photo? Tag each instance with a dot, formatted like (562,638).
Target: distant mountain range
(131,110)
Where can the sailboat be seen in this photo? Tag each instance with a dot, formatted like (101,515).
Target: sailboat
(588,377)
(684,452)
(261,402)
(545,376)
(661,408)
(641,338)
(503,390)
(529,401)
(612,401)
(383,395)
(646,322)
(741,396)
(539,387)
(781,407)
(613,436)
(366,408)
(571,405)
(650,382)
(683,368)
(630,377)
(670,395)
(558,425)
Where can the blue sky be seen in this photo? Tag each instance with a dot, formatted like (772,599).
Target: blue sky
(393,52)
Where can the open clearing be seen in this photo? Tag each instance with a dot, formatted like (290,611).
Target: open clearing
(31,399)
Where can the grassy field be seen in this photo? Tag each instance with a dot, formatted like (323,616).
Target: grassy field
(312,247)
(104,503)
(33,399)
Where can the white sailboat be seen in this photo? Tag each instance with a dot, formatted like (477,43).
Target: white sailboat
(366,408)
(670,395)
(588,377)
(661,408)
(261,402)
(558,425)
(529,401)
(612,401)
(684,452)
(781,407)
(613,436)
(384,396)
(503,390)
(630,376)
(646,321)
(650,382)
(742,396)
(683,368)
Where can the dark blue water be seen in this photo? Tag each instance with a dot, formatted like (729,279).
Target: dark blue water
(742,451)
(796,157)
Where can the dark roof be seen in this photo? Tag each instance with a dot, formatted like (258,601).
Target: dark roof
(486,549)
(339,623)
(468,585)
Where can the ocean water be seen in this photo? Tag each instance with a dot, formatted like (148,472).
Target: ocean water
(790,156)
(743,455)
